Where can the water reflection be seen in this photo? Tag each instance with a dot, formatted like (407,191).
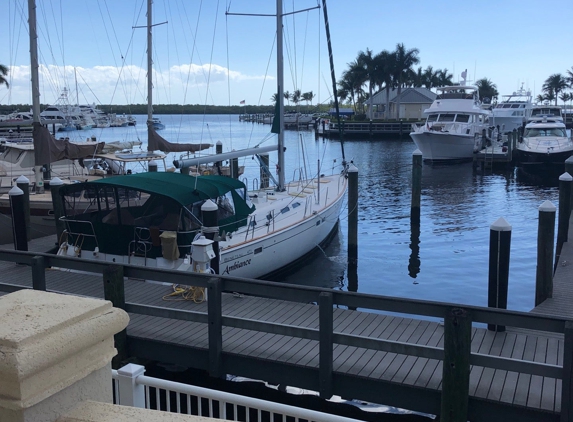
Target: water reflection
(414,262)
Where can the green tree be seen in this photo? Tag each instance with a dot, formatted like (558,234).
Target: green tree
(569,77)
(404,60)
(3,73)
(487,90)
(372,66)
(308,96)
(553,85)
(287,96)
(445,78)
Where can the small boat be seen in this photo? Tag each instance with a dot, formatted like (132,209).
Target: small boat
(156,123)
(513,111)
(545,144)
(453,127)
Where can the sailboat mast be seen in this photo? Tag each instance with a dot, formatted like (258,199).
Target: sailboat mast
(34,60)
(280,97)
(149,67)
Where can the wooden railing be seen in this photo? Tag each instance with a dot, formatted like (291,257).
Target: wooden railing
(456,353)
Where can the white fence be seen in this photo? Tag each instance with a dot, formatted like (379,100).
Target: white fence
(132,388)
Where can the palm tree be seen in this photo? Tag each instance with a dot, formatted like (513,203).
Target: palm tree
(371,65)
(351,84)
(540,99)
(295,97)
(3,74)
(385,76)
(444,78)
(418,78)
(308,96)
(555,84)
(565,97)
(431,78)
(286,94)
(404,60)
(275,97)
(487,90)
(569,77)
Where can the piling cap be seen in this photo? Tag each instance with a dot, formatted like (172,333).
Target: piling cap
(56,181)
(500,225)
(417,152)
(22,179)
(352,168)
(547,206)
(219,143)
(15,191)
(153,163)
(209,205)
(565,177)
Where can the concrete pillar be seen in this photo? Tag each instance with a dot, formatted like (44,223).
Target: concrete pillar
(55,351)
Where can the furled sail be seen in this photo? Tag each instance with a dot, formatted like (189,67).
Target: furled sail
(157,143)
(47,149)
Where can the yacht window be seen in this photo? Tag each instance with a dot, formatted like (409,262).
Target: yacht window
(27,161)
(507,106)
(515,106)
(11,155)
(226,206)
(534,132)
(463,118)
(432,117)
(447,117)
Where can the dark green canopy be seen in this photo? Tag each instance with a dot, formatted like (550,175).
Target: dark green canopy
(182,188)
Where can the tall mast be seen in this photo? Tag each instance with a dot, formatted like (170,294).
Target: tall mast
(34,60)
(149,66)
(280,99)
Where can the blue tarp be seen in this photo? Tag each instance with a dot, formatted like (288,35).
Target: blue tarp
(343,112)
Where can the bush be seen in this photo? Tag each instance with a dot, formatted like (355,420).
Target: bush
(360,117)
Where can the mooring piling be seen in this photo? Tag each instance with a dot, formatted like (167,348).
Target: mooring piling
(545,242)
(499,251)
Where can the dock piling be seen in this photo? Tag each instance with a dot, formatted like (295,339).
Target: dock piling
(113,289)
(352,213)
(58,207)
(545,242)
(565,181)
(24,183)
(215,319)
(499,251)
(326,321)
(18,219)
(416,186)
(38,273)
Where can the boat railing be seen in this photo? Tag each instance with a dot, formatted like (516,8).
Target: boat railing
(79,235)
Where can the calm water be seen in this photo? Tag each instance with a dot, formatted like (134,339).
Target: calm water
(447,260)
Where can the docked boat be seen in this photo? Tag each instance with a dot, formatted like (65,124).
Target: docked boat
(545,144)
(155,219)
(513,111)
(546,111)
(454,125)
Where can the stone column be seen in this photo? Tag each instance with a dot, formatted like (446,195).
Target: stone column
(55,351)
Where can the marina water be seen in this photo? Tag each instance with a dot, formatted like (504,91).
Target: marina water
(445,260)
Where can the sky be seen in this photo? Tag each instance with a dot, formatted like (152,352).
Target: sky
(204,56)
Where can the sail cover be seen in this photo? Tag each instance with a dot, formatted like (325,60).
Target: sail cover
(47,149)
(156,143)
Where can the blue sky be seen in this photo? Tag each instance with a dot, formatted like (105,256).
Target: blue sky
(202,56)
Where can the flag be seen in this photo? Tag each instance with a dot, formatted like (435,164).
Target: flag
(242,102)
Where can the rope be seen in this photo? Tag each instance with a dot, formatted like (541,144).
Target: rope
(180,293)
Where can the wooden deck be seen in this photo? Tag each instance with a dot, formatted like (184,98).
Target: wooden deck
(187,343)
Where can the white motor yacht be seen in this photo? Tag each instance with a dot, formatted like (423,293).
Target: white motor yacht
(453,127)
(513,111)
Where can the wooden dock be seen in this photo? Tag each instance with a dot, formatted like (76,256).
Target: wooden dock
(282,336)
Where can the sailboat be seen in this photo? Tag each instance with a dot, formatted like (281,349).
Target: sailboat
(153,219)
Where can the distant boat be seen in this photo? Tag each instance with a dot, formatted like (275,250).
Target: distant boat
(156,123)
(453,127)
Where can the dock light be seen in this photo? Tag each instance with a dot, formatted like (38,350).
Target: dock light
(202,253)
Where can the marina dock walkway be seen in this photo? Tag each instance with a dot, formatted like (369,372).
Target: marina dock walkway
(381,376)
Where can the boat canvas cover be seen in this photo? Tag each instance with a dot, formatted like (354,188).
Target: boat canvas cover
(156,142)
(47,149)
(186,190)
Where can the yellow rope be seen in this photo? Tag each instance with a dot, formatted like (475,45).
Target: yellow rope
(196,294)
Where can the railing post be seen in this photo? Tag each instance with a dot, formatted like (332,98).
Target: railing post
(567,381)
(545,242)
(215,319)
(130,392)
(38,273)
(456,367)
(325,318)
(113,289)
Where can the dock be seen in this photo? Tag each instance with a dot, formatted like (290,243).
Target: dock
(310,338)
